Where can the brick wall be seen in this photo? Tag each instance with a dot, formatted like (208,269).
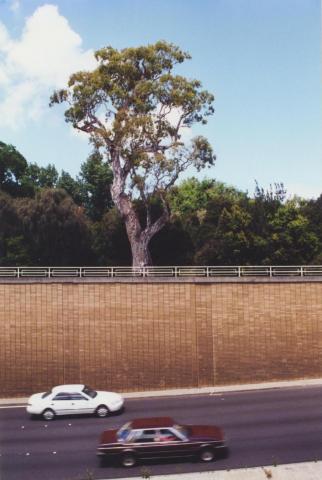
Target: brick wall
(141,336)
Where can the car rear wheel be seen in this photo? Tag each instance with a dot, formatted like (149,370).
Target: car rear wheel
(207,455)
(48,414)
(102,411)
(128,460)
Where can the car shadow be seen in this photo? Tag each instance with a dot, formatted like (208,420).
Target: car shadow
(39,418)
(222,454)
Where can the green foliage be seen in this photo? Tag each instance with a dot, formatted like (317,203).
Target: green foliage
(75,222)
(110,243)
(71,186)
(56,230)
(35,178)
(292,238)
(16,252)
(95,183)
(9,229)
(12,167)
(172,246)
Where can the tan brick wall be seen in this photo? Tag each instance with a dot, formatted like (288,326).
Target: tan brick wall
(141,336)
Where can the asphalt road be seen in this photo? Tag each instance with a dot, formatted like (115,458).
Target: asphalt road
(262,427)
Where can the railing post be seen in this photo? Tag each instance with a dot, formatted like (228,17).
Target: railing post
(207,271)
(301,271)
(18,272)
(270,272)
(49,272)
(239,272)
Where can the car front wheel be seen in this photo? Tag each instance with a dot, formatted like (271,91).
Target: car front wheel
(48,414)
(102,411)
(128,460)
(207,455)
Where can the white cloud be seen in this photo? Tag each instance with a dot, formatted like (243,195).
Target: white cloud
(37,63)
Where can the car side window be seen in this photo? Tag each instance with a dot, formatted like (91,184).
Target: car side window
(145,436)
(62,396)
(167,435)
(77,396)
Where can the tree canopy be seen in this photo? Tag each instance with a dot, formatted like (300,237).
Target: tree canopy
(135,108)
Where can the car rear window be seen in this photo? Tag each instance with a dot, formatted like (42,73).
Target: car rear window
(89,391)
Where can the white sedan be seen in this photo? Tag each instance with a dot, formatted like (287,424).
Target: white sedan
(74,400)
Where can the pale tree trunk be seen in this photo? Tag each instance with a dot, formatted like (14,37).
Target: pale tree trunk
(139,238)
(140,251)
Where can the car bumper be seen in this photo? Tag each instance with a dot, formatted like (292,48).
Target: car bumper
(117,406)
(33,410)
(222,451)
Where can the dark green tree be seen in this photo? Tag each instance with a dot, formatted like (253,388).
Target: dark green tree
(73,187)
(312,210)
(13,250)
(292,240)
(12,168)
(95,181)
(110,242)
(55,229)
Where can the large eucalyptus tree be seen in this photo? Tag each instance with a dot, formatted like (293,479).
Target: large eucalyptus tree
(135,109)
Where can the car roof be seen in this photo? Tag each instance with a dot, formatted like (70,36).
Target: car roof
(68,388)
(154,422)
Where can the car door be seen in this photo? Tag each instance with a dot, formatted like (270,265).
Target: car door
(80,404)
(145,443)
(61,403)
(170,444)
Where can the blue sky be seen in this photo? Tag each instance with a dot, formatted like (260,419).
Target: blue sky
(261,59)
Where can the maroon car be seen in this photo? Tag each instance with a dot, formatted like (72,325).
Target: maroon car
(161,437)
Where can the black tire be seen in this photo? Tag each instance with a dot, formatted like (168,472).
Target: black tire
(207,454)
(48,414)
(102,411)
(128,460)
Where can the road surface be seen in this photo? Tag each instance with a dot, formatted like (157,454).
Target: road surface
(264,427)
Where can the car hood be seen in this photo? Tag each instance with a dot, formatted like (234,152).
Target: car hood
(36,397)
(205,432)
(109,436)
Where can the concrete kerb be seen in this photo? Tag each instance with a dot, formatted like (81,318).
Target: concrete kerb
(196,391)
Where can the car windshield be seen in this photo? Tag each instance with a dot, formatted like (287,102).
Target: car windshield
(89,391)
(44,395)
(123,432)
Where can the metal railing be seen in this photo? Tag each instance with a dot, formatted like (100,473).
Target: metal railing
(169,271)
